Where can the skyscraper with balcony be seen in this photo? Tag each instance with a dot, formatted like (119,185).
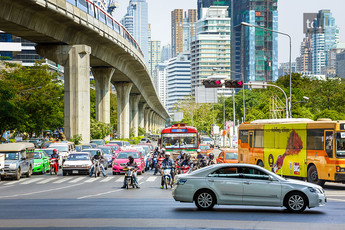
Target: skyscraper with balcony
(183,26)
(210,48)
(254,51)
(154,56)
(136,22)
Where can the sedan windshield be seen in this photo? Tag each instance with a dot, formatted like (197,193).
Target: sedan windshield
(37,155)
(204,147)
(61,148)
(92,151)
(231,156)
(119,143)
(124,155)
(78,157)
(98,142)
(107,150)
(49,152)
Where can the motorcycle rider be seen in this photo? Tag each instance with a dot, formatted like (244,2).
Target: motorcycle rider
(167,163)
(160,155)
(132,163)
(210,159)
(56,156)
(187,161)
(201,158)
(99,157)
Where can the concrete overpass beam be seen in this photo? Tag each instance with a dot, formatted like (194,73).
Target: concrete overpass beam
(134,102)
(123,89)
(76,62)
(102,77)
(146,119)
(151,120)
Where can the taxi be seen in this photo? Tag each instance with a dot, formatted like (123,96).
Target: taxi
(228,156)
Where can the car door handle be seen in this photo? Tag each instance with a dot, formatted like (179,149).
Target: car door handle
(211,180)
(246,182)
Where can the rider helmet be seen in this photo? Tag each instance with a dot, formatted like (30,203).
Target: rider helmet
(55,151)
(198,150)
(98,152)
(211,156)
(130,158)
(156,149)
(167,155)
(163,150)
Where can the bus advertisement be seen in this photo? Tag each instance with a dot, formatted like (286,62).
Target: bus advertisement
(180,137)
(300,148)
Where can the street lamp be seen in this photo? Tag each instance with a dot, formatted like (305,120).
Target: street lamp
(306,100)
(250,25)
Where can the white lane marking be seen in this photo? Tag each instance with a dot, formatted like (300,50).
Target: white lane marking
(46,181)
(32,180)
(106,179)
(42,191)
(151,178)
(14,182)
(332,199)
(92,180)
(76,180)
(62,180)
(140,178)
(119,179)
(99,194)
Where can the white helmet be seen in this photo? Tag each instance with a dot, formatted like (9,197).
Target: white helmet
(167,154)
(198,151)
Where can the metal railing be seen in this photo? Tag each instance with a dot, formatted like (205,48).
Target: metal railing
(95,11)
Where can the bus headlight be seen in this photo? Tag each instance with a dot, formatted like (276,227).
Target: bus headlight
(339,169)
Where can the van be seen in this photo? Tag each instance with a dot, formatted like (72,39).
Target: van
(19,159)
(65,148)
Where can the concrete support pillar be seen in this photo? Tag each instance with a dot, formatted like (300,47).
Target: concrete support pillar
(76,62)
(151,121)
(134,101)
(123,89)
(141,109)
(146,119)
(102,77)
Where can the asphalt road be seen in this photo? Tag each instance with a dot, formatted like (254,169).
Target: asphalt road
(74,202)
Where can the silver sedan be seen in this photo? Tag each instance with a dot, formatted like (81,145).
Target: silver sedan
(245,184)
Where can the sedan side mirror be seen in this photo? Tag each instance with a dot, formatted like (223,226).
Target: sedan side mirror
(271,178)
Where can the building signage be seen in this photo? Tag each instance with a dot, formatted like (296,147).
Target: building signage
(178,130)
(308,22)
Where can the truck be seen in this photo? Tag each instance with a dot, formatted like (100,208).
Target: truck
(19,159)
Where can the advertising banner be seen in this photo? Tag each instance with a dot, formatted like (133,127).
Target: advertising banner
(285,149)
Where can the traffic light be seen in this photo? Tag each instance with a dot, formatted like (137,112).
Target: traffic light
(233,84)
(213,83)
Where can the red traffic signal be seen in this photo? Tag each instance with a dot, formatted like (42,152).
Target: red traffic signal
(233,84)
(213,83)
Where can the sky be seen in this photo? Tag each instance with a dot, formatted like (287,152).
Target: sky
(290,19)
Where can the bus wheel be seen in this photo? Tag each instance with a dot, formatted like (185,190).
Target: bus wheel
(313,176)
(260,163)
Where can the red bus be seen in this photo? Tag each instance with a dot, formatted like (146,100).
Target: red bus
(179,137)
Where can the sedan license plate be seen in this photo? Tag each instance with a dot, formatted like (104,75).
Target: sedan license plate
(75,171)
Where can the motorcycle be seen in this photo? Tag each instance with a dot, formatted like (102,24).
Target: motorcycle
(185,169)
(97,168)
(177,167)
(53,166)
(154,161)
(129,178)
(167,179)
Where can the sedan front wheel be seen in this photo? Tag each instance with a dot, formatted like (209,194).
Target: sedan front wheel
(296,202)
(205,200)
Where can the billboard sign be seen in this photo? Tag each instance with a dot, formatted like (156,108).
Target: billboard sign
(309,22)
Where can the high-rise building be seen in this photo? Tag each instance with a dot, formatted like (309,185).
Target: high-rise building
(160,81)
(340,65)
(103,4)
(166,53)
(136,22)
(254,51)
(154,56)
(284,68)
(178,80)
(210,48)
(208,3)
(182,30)
(318,41)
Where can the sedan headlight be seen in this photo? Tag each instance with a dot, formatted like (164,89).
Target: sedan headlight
(84,165)
(116,164)
(181,181)
(315,190)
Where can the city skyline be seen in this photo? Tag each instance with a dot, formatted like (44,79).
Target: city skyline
(161,23)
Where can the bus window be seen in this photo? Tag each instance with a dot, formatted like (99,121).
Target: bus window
(340,143)
(243,136)
(315,140)
(329,143)
(259,139)
(250,139)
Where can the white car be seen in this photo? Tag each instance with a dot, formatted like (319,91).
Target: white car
(209,141)
(245,184)
(77,163)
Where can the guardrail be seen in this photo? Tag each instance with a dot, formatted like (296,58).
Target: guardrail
(97,12)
